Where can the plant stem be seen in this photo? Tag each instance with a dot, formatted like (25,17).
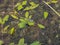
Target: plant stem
(52,8)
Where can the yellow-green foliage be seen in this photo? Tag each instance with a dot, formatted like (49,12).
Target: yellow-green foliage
(52,1)
(5,29)
(21,41)
(26,20)
(20,5)
(12,30)
(45,15)
(32,5)
(14,16)
(36,43)
(41,26)
(3,20)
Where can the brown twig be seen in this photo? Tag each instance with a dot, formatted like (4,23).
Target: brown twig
(52,8)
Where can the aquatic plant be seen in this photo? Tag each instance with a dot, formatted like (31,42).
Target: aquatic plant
(45,15)
(41,26)
(33,6)
(21,42)
(36,43)
(3,20)
(12,30)
(52,1)
(26,21)
(5,29)
(20,6)
(52,8)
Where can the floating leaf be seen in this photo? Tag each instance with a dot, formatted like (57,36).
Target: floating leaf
(6,18)
(41,26)
(5,28)
(27,8)
(12,30)
(30,16)
(30,23)
(27,14)
(1,42)
(21,25)
(24,2)
(32,4)
(33,7)
(20,7)
(54,1)
(17,4)
(48,2)
(35,43)
(45,15)
(3,22)
(27,20)
(23,20)
(21,41)
(15,12)
(15,17)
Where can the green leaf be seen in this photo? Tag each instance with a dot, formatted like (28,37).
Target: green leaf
(12,30)
(24,2)
(3,22)
(27,14)
(27,8)
(17,4)
(33,7)
(32,4)
(23,20)
(14,16)
(30,16)
(54,1)
(48,2)
(6,18)
(21,41)
(5,28)
(35,43)
(20,7)
(41,26)
(11,44)
(21,25)
(1,42)
(30,23)
(45,15)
